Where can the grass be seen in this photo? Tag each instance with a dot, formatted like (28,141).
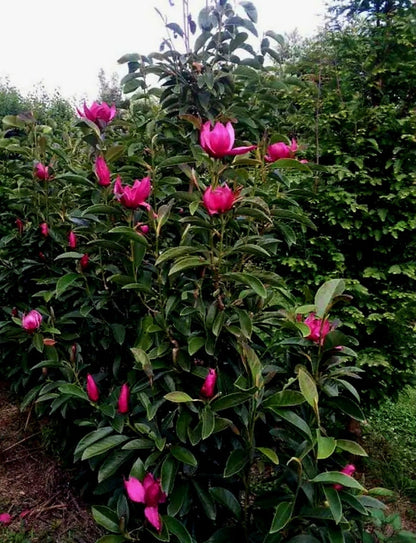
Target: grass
(390,440)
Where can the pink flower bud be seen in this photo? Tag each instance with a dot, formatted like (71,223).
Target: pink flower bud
(42,172)
(123,399)
(20,225)
(72,240)
(208,387)
(318,328)
(219,141)
(92,389)
(100,114)
(32,321)
(102,172)
(84,261)
(44,229)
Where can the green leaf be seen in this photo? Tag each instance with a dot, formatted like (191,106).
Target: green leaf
(231,400)
(168,473)
(186,263)
(226,498)
(236,462)
(270,454)
(69,254)
(307,386)
(175,160)
(284,398)
(128,233)
(293,419)
(351,447)
(336,534)
(282,516)
(335,477)
(326,294)
(106,517)
(291,164)
(176,252)
(178,529)
(349,407)
(65,282)
(91,438)
(112,539)
(103,446)
(111,464)
(326,446)
(208,422)
(194,344)
(250,280)
(100,208)
(334,501)
(119,332)
(178,397)
(73,390)
(184,455)
(250,10)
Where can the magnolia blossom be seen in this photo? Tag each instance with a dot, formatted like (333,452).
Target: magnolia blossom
(92,389)
(219,141)
(31,321)
(44,229)
(84,261)
(280,150)
(318,328)
(208,387)
(349,469)
(135,196)
(72,240)
(123,399)
(100,114)
(102,172)
(5,518)
(220,199)
(42,172)
(150,493)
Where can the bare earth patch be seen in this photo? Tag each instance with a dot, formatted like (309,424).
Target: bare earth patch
(34,490)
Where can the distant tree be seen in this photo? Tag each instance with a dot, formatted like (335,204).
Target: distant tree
(110,89)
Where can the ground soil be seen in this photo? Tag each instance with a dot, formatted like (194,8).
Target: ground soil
(34,489)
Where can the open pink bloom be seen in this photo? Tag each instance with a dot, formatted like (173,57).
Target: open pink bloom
(5,519)
(72,240)
(348,470)
(20,225)
(219,141)
(208,387)
(44,229)
(135,196)
(279,150)
(220,199)
(123,399)
(84,261)
(102,172)
(318,328)
(100,114)
(92,389)
(42,172)
(150,493)
(31,321)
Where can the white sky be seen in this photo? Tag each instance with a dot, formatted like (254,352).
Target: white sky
(63,44)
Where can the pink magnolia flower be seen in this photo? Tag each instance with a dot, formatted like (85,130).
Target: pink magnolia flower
(100,114)
(92,389)
(220,199)
(318,328)
(150,493)
(208,387)
(44,229)
(102,172)
(72,240)
(123,399)
(42,171)
(5,519)
(279,150)
(31,321)
(135,196)
(20,225)
(349,469)
(84,261)
(219,141)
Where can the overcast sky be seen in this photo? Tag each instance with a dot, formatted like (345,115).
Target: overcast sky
(63,44)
